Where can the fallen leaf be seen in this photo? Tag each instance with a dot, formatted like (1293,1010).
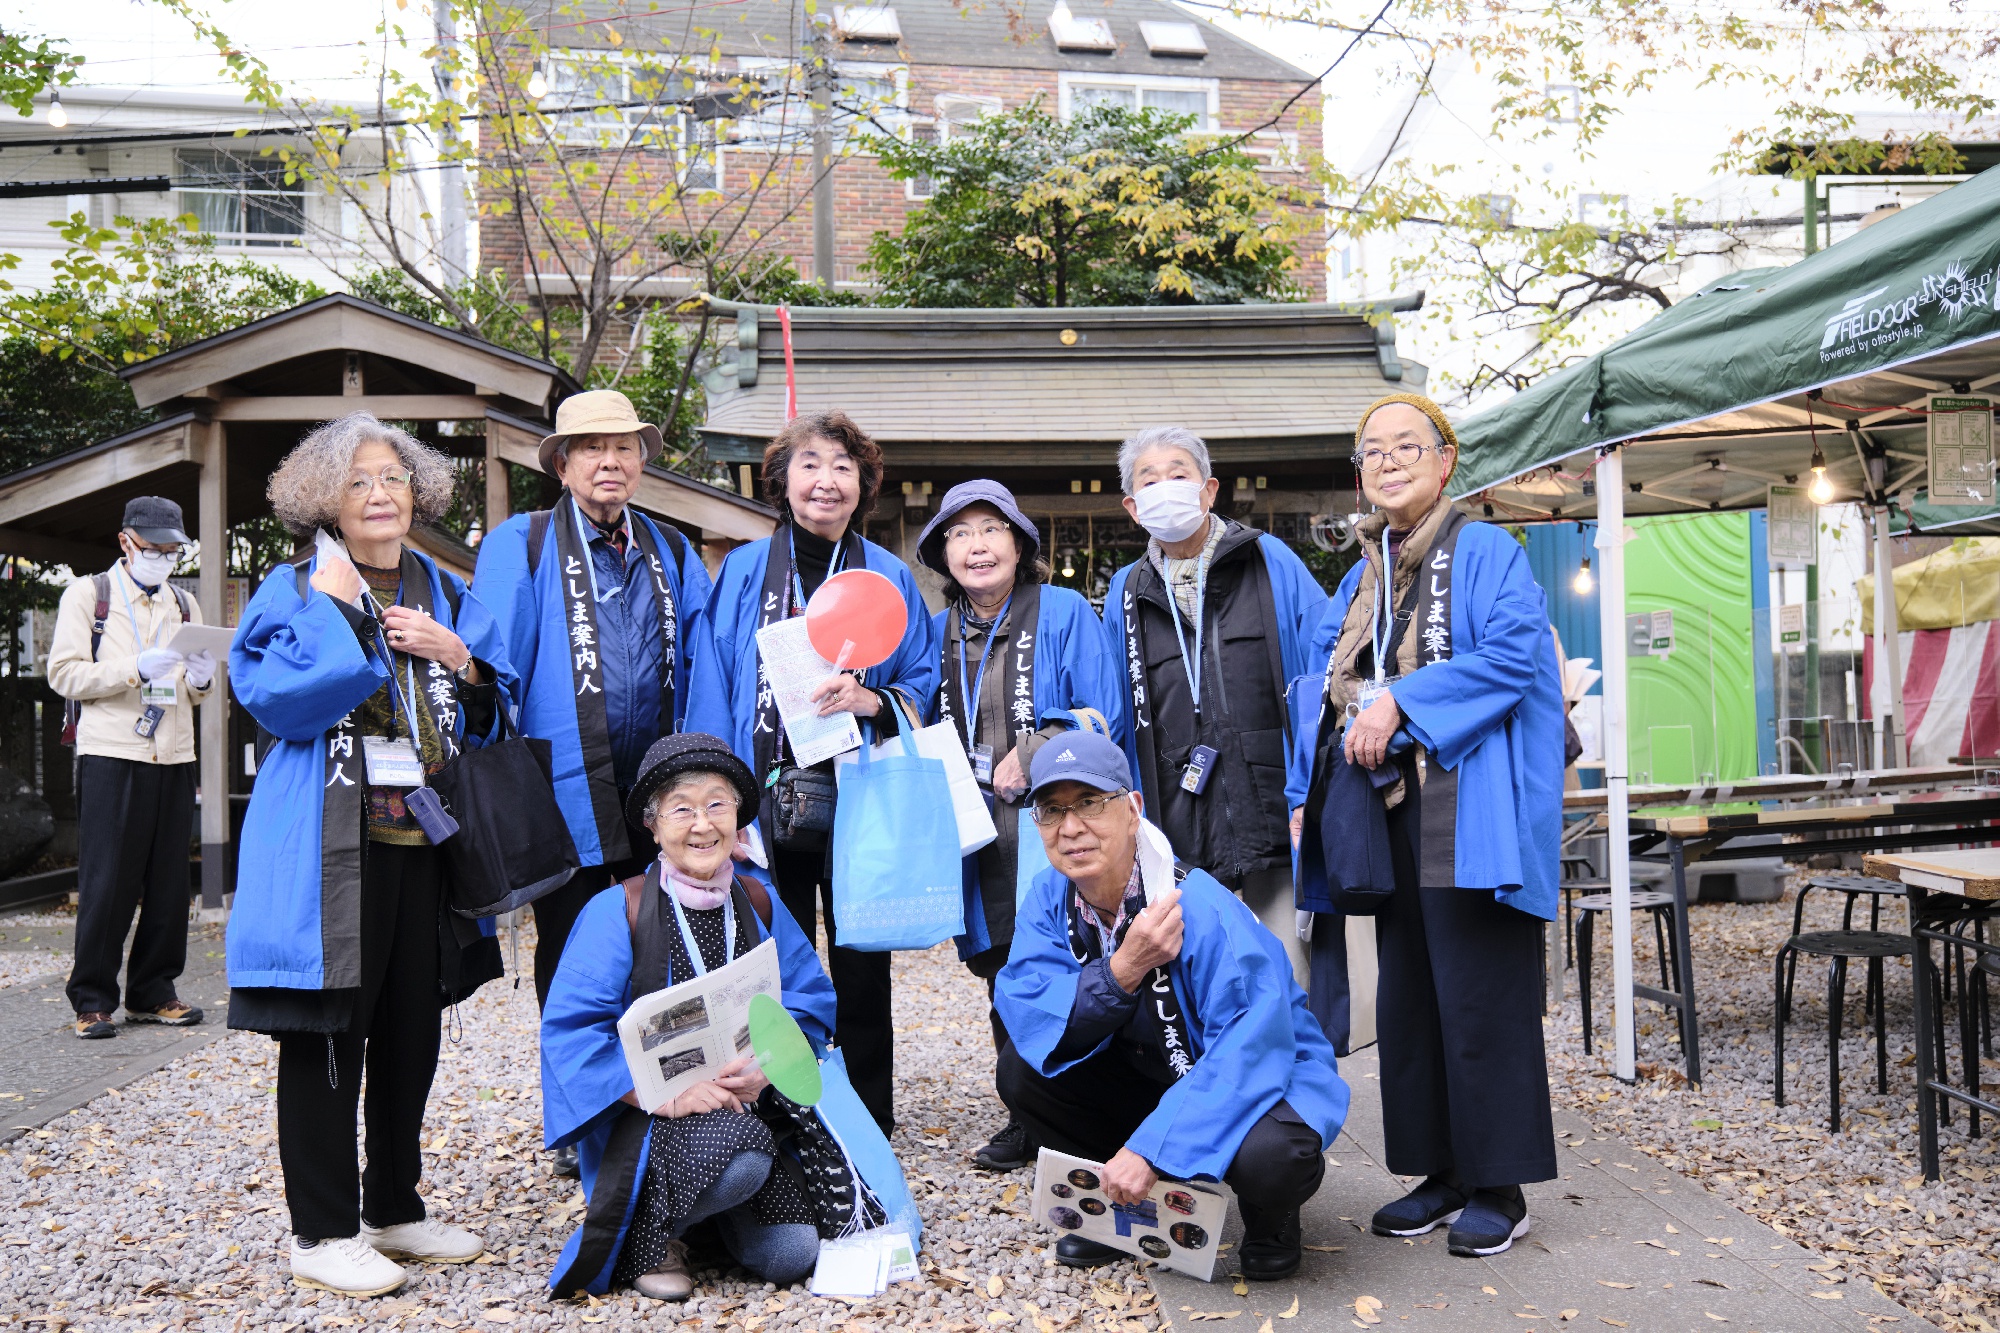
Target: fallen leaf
(1711,1282)
(1241,1288)
(1196,1316)
(1567,1315)
(1621,1286)
(1264,1327)
(999,1317)
(1326,1249)
(1490,1291)
(1615,1323)
(1655,1244)
(1826,1296)
(1009,1194)
(995,1285)
(1287,1314)
(1720,1319)
(1673,1230)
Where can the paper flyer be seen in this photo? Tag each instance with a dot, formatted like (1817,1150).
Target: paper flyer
(793,670)
(1178,1225)
(684,1035)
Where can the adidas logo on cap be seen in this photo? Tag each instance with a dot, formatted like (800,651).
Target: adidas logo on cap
(1066,755)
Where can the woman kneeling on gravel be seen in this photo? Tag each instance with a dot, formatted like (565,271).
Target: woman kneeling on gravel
(710,1153)
(371,667)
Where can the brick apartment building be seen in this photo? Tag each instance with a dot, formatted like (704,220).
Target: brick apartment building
(913,68)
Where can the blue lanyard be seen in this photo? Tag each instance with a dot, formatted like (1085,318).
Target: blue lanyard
(409,672)
(687,936)
(138,638)
(971,695)
(585,534)
(798,584)
(1200,600)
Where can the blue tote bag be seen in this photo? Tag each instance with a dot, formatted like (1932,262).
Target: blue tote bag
(896,876)
(841,1111)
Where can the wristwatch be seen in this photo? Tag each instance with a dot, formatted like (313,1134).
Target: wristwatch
(464,673)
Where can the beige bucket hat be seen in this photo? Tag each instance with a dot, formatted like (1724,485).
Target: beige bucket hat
(598,412)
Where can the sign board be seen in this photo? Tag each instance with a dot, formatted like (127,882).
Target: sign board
(1792,627)
(1793,528)
(1960,438)
(1663,634)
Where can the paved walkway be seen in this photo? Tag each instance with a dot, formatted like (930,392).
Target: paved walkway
(45,1071)
(1618,1241)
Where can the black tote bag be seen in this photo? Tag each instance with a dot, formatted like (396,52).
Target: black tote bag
(513,844)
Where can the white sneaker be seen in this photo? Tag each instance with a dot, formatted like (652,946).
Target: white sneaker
(429,1240)
(347,1266)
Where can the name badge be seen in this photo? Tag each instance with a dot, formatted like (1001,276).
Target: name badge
(1370,691)
(161,692)
(982,764)
(392,763)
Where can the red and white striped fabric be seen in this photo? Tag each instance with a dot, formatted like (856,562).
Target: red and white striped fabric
(1951,691)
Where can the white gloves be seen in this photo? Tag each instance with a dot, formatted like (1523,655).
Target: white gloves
(157,662)
(200,669)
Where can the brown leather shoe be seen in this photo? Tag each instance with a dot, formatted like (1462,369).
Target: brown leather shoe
(670,1281)
(174,1013)
(92,1027)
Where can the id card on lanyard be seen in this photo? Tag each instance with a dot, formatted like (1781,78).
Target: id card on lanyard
(393,761)
(980,755)
(1201,759)
(161,693)
(1381,629)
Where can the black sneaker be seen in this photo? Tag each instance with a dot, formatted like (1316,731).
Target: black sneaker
(1010,1150)
(1276,1253)
(1491,1223)
(1080,1253)
(565,1161)
(1429,1206)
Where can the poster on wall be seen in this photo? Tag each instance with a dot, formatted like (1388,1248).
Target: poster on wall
(1959,433)
(1793,528)
(1792,627)
(1663,634)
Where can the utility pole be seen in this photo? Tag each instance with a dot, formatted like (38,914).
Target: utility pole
(452,245)
(819,85)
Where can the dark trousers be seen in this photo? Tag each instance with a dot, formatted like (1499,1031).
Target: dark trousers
(395,1031)
(1090,1110)
(861,1023)
(556,914)
(137,821)
(1458,1014)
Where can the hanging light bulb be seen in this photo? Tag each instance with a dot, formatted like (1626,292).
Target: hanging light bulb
(1583,582)
(538,83)
(1821,490)
(1069,563)
(57,116)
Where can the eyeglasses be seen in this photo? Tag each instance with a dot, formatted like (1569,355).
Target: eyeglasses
(965,532)
(394,480)
(1089,809)
(1402,455)
(682,815)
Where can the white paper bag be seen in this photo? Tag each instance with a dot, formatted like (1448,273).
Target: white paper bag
(943,743)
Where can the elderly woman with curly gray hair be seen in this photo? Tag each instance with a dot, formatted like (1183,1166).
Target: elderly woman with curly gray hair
(370,668)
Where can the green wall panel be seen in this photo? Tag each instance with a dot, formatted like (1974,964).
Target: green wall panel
(1699,568)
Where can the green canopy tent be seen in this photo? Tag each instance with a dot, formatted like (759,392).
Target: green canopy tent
(1728,393)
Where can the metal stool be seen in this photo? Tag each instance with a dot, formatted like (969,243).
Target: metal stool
(1570,888)
(1854,886)
(1661,905)
(1838,946)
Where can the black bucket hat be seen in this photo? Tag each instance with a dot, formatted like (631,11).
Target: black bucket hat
(691,752)
(930,545)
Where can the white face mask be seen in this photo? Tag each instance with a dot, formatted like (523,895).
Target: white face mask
(1171,510)
(151,568)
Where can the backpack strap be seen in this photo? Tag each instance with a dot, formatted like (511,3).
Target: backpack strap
(101,584)
(754,890)
(538,535)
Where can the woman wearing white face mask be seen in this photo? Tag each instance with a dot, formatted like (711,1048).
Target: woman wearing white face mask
(1209,628)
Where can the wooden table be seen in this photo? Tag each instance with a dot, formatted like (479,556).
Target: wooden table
(1946,889)
(1784,786)
(1808,827)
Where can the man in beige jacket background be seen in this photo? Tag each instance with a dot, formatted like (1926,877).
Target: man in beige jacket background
(134,696)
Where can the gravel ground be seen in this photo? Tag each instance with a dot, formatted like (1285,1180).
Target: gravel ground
(20,960)
(1857,1197)
(162,1205)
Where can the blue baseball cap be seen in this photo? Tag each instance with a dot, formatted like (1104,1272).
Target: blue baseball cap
(1081,756)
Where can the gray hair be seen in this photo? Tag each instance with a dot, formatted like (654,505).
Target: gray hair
(1160,437)
(306,490)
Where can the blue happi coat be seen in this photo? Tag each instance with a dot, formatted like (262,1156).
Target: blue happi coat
(722,689)
(1074,669)
(296,666)
(531,611)
(1254,1040)
(1492,713)
(583,1068)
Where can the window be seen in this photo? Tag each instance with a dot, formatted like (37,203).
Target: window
(700,166)
(953,115)
(1602,211)
(602,100)
(1499,207)
(868,98)
(1565,103)
(1276,150)
(1173,39)
(1175,96)
(241,200)
(1074,34)
(867,23)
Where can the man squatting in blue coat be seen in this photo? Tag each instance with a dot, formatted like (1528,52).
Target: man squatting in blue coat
(594,599)
(1156,1026)
(1435,785)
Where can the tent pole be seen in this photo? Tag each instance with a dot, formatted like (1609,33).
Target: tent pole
(1888,643)
(1617,839)
(212,529)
